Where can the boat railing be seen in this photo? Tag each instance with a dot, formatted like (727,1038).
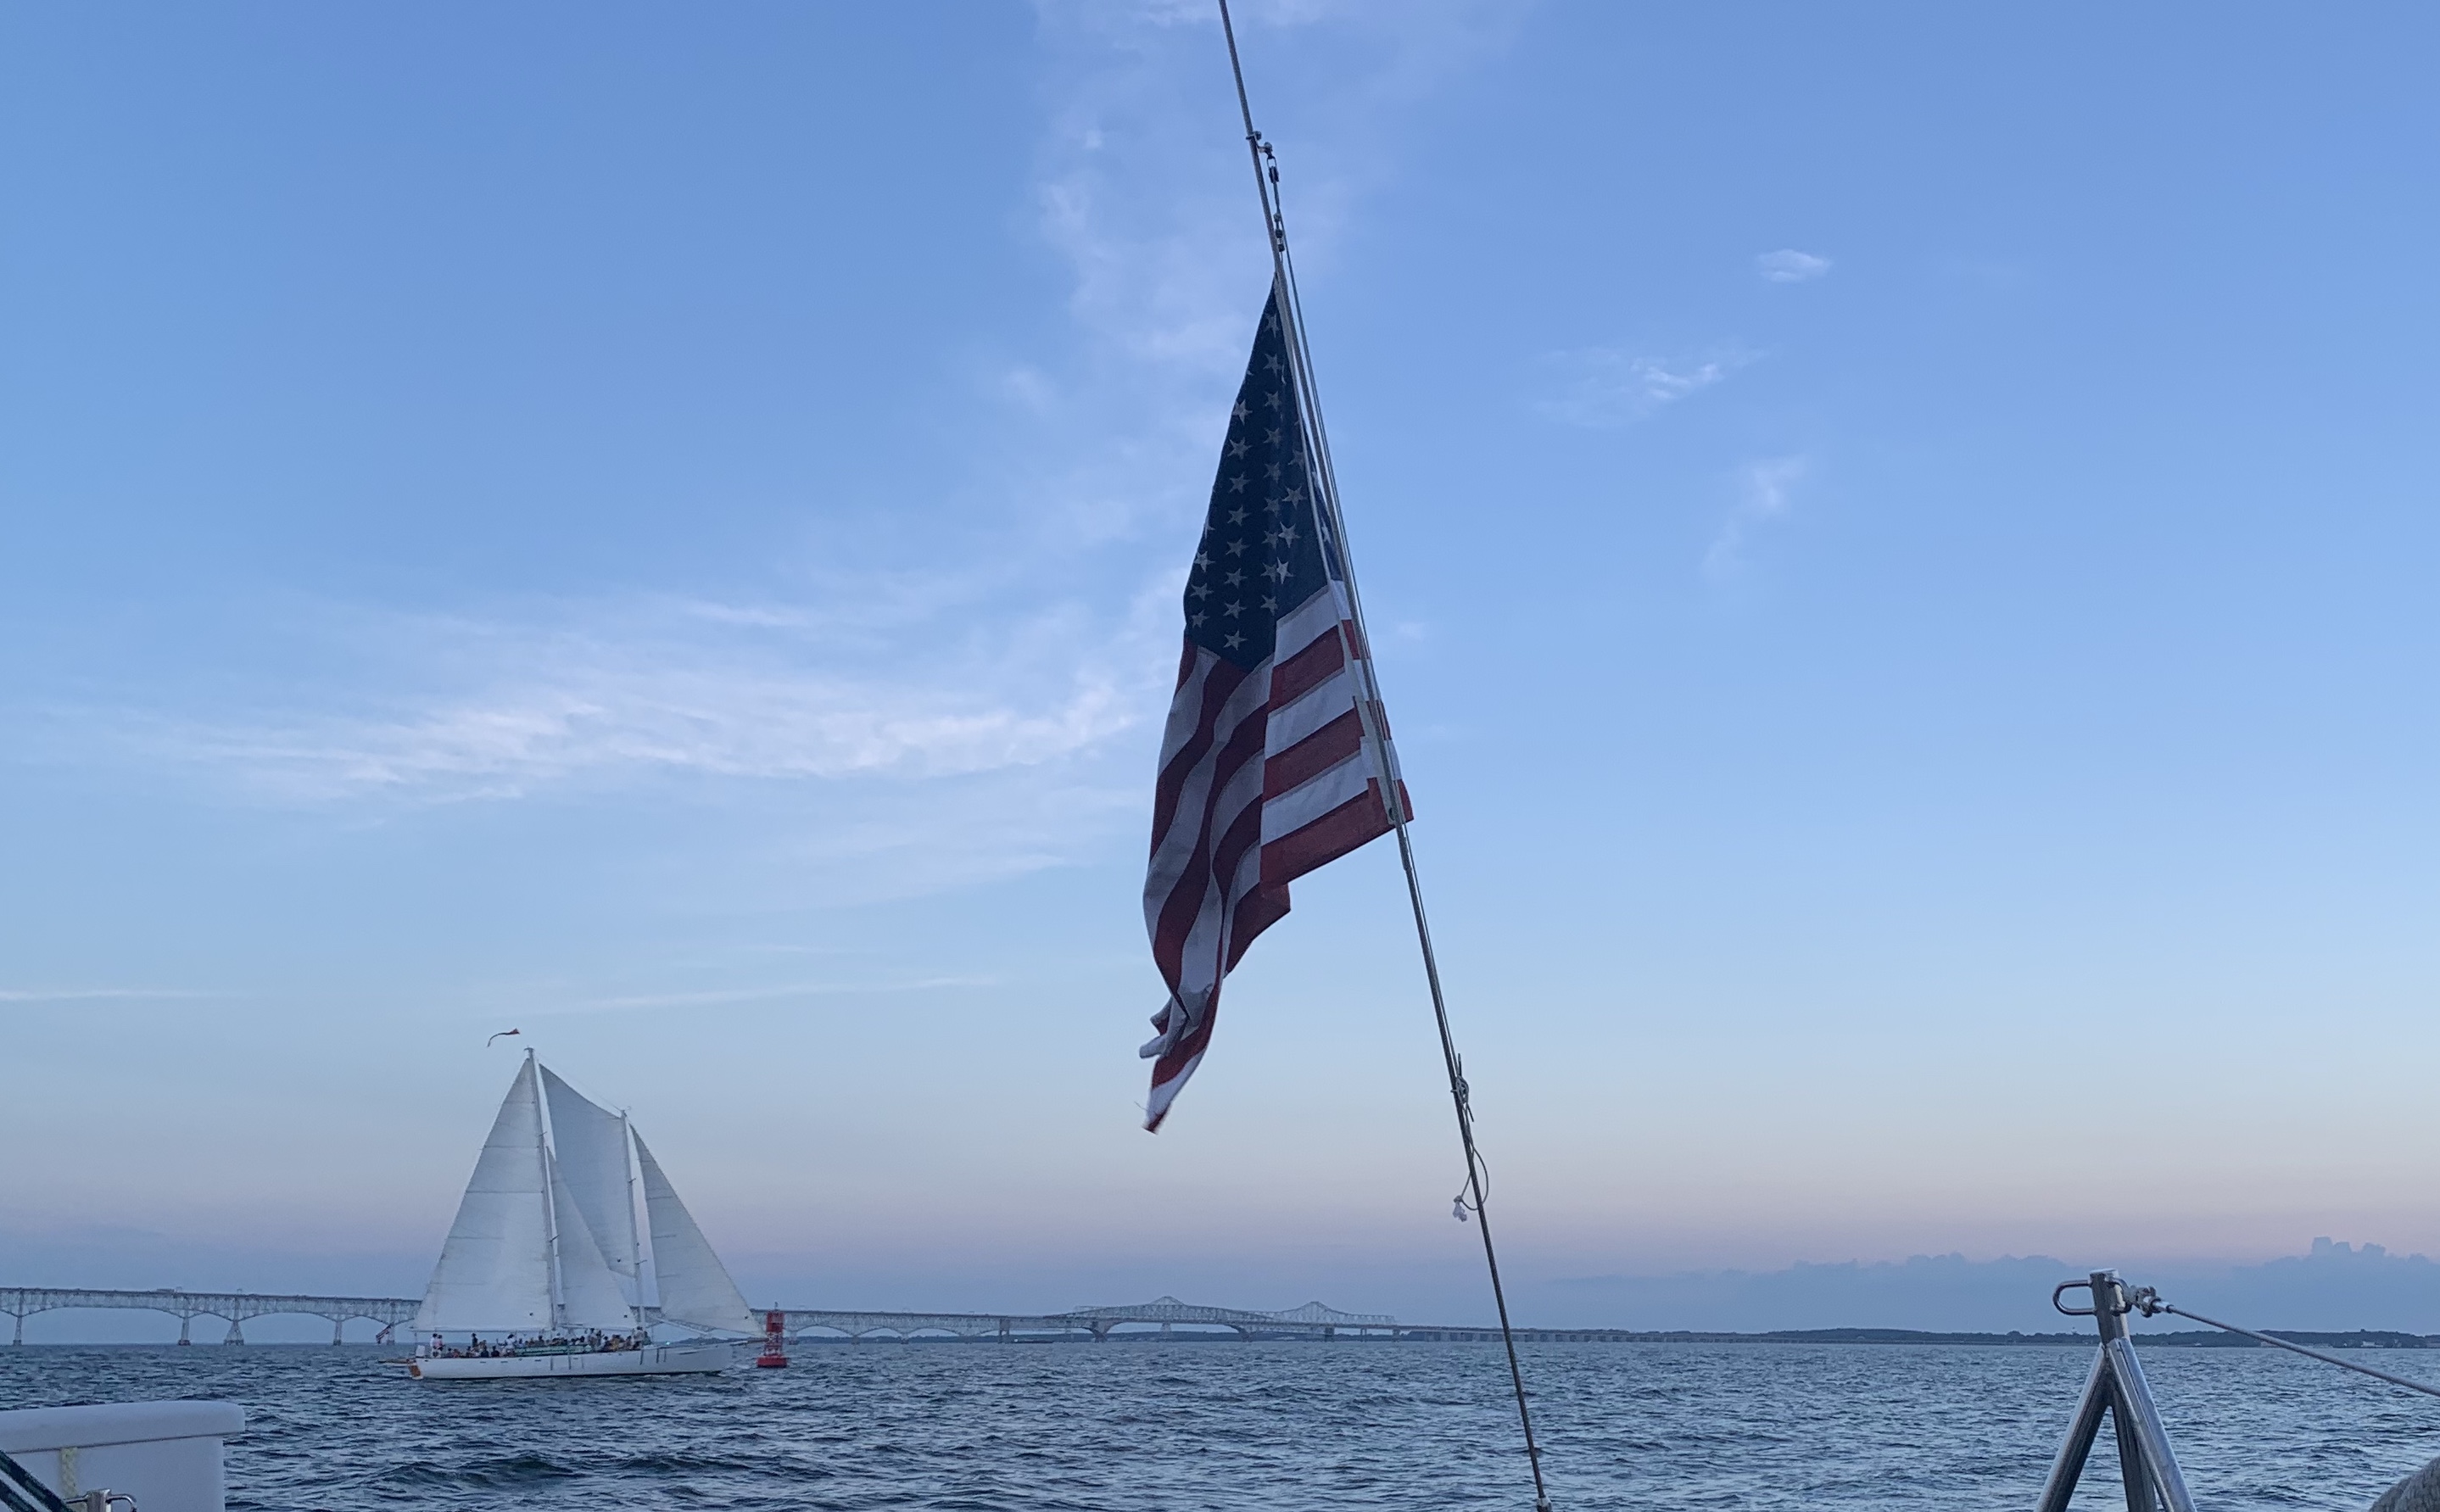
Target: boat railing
(19,1492)
(2116,1390)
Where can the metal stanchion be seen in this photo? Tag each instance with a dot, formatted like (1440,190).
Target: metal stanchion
(2116,1387)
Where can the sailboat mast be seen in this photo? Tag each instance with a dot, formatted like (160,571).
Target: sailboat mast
(635,1230)
(549,1185)
(1370,713)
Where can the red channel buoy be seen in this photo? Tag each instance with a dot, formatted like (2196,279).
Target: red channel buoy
(775,1341)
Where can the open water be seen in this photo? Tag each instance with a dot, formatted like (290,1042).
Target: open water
(1132,1427)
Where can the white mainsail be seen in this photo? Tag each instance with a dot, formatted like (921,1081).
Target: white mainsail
(547,1237)
(494,1268)
(694,1286)
(591,1144)
(589,1294)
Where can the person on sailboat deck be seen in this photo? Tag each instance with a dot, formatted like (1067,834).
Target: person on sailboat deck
(592,1341)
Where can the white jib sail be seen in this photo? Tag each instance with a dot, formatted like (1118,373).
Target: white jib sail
(694,1286)
(495,1270)
(589,1294)
(591,1143)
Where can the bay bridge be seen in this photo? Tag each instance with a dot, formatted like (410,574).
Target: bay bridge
(234,1308)
(1312,1321)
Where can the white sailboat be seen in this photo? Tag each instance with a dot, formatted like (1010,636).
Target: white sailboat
(547,1271)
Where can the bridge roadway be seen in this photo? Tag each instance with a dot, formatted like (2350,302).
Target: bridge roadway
(236,1307)
(392,1313)
(1313,1320)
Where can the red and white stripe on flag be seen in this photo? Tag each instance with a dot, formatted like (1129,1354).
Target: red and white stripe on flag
(1265,768)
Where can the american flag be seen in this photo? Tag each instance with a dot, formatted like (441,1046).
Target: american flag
(1265,768)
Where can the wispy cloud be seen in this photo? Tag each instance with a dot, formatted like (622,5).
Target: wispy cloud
(958,715)
(1787,265)
(737,996)
(1148,196)
(610,692)
(1764,493)
(103,994)
(951,737)
(1605,387)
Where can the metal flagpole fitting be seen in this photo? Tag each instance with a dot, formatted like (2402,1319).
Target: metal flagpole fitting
(2147,1469)
(1369,711)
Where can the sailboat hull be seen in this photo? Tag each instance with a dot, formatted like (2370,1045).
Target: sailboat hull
(653,1360)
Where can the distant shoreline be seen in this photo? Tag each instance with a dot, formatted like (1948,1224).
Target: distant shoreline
(2190,1338)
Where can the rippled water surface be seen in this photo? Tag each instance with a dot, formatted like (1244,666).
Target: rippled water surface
(1138,1426)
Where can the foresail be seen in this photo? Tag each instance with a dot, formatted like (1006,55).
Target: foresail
(590,1296)
(694,1286)
(495,1270)
(591,1143)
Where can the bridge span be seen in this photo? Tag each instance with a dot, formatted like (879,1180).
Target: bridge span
(1312,1321)
(234,1306)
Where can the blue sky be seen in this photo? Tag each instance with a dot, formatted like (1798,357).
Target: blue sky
(1899,540)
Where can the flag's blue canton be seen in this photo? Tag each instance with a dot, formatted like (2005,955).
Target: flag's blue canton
(1261,555)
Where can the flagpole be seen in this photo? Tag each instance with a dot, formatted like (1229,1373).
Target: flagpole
(1368,702)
